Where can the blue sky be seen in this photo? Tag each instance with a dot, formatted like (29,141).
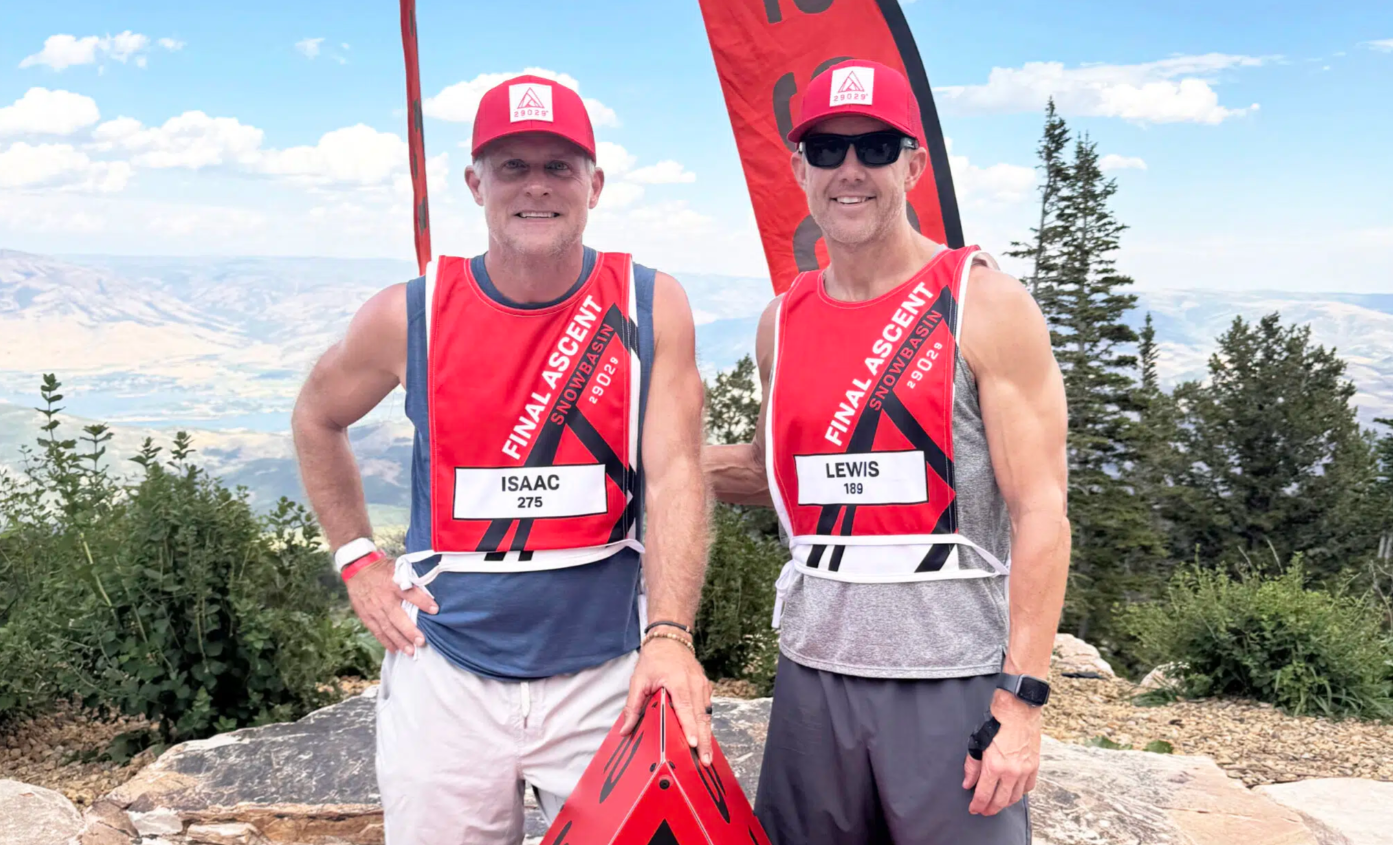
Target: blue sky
(277,128)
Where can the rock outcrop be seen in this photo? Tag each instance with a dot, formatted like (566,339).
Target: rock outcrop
(32,815)
(1073,655)
(1342,811)
(312,782)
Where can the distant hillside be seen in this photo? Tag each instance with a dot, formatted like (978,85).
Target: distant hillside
(220,346)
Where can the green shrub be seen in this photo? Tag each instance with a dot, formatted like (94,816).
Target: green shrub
(1272,639)
(168,597)
(733,635)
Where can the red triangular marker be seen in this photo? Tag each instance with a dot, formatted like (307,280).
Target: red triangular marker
(649,788)
(851,84)
(529,100)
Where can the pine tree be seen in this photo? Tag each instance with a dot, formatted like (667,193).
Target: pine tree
(1275,461)
(1043,252)
(1380,567)
(732,404)
(1116,541)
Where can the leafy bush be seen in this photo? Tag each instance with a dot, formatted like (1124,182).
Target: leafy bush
(168,597)
(1271,639)
(733,635)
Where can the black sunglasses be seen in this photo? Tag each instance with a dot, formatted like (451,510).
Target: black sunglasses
(873,149)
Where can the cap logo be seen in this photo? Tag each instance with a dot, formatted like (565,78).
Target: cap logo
(853,86)
(529,101)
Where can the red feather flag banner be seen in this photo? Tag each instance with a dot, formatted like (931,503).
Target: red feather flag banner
(766,52)
(415,134)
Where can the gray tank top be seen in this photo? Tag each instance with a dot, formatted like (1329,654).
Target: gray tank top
(917,629)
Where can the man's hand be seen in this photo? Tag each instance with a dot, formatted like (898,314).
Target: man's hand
(377,600)
(1009,765)
(669,665)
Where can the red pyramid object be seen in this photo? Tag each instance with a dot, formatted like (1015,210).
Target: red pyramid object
(649,788)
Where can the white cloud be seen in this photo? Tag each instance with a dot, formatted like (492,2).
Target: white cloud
(171,44)
(192,140)
(1171,90)
(1113,161)
(1384,45)
(624,184)
(665,172)
(44,112)
(309,46)
(127,44)
(357,155)
(614,159)
(59,166)
(997,183)
(221,221)
(620,194)
(63,51)
(352,156)
(460,101)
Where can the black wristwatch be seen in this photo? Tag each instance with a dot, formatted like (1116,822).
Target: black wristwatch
(1027,688)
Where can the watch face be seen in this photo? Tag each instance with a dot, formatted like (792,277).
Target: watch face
(1034,691)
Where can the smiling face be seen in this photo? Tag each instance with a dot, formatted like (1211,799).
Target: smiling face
(537,191)
(855,204)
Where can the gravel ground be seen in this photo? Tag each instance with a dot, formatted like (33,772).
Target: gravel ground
(1254,742)
(1251,741)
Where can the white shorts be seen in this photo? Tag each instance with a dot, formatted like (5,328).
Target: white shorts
(455,750)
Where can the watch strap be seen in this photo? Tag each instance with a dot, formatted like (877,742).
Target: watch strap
(1017,684)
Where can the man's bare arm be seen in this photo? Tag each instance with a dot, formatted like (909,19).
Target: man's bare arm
(1007,344)
(1026,420)
(736,472)
(675,533)
(346,383)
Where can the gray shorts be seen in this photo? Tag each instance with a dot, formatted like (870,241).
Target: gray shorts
(868,760)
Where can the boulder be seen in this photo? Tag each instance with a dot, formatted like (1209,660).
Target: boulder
(1348,811)
(313,783)
(309,781)
(1072,654)
(1091,796)
(1163,676)
(32,815)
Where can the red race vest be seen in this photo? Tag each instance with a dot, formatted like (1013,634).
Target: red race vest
(860,427)
(533,419)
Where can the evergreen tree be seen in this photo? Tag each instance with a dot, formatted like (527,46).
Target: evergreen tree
(1380,568)
(1155,459)
(733,637)
(1275,462)
(732,404)
(1043,252)
(1116,541)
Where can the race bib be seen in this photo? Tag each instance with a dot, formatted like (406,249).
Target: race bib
(864,478)
(530,492)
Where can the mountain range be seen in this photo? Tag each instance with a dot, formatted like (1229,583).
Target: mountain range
(219,347)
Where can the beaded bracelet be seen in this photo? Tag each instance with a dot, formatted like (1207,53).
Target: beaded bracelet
(654,635)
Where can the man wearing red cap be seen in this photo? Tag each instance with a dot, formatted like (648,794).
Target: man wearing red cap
(526,371)
(912,439)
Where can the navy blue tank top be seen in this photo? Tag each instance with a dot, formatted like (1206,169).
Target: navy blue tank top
(519,626)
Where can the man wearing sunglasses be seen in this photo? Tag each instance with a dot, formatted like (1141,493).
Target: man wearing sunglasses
(912,440)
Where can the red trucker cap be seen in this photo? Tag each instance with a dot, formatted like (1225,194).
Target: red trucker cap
(865,88)
(530,103)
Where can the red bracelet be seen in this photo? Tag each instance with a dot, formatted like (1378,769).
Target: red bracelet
(361,563)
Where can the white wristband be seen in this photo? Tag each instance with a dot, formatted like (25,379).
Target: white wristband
(351,551)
